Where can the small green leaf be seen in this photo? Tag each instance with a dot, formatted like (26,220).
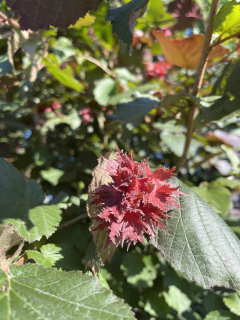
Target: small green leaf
(52,175)
(200,244)
(48,256)
(34,292)
(177,300)
(227,21)
(103,91)
(232,301)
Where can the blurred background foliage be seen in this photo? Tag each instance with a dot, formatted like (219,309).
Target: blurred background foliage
(67,97)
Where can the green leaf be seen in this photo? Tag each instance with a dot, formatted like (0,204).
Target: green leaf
(227,21)
(200,244)
(177,300)
(65,76)
(228,82)
(156,13)
(220,108)
(134,92)
(232,301)
(52,175)
(233,157)
(218,197)
(220,315)
(133,111)
(41,220)
(124,18)
(139,269)
(176,144)
(104,90)
(34,292)
(48,256)
(230,183)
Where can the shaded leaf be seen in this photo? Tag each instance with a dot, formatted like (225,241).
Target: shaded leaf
(185,53)
(92,259)
(40,14)
(124,19)
(200,244)
(29,292)
(133,111)
(218,108)
(229,81)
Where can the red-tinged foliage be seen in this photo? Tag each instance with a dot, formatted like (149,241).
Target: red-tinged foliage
(157,70)
(136,202)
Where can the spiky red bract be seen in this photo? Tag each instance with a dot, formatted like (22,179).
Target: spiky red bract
(136,202)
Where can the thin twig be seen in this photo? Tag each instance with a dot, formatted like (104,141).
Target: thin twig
(9,21)
(99,64)
(193,110)
(219,41)
(70,222)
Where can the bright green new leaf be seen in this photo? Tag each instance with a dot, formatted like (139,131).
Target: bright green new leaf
(84,22)
(177,300)
(220,315)
(65,76)
(103,91)
(227,21)
(218,197)
(232,301)
(34,292)
(200,244)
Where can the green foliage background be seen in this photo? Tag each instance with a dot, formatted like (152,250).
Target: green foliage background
(66,98)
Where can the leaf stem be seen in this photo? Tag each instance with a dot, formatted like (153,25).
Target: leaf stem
(193,110)
(70,222)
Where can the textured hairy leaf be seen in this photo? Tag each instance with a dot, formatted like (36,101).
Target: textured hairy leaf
(19,201)
(200,244)
(40,14)
(33,292)
(185,53)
